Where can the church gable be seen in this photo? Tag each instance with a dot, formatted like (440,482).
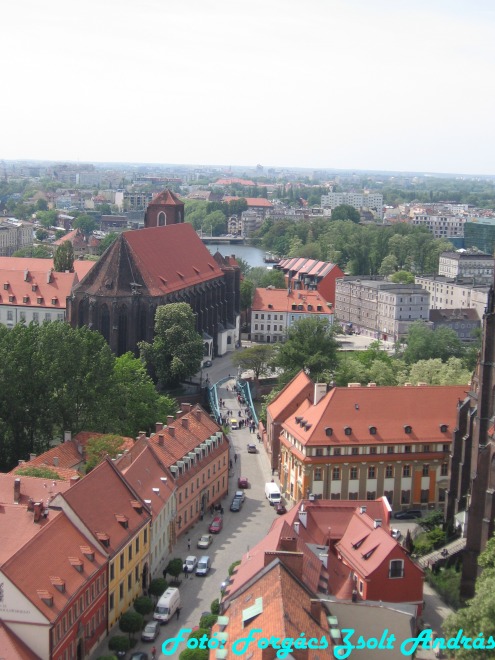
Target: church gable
(164,210)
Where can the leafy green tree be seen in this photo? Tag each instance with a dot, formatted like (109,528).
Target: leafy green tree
(157,587)
(424,343)
(47,218)
(247,293)
(41,472)
(215,606)
(310,345)
(174,567)
(207,621)
(41,205)
(177,349)
(143,605)
(436,372)
(131,622)
(63,261)
(389,265)
(107,241)
(257,358)
(194,654)
(41,234)
(402,277)
(166,406)
(345,212)
(119,643)
(233,566)
(35,251)
(86,224)
(98,448)
(215,223)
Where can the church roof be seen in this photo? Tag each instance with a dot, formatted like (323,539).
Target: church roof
(155,261)
(166,197)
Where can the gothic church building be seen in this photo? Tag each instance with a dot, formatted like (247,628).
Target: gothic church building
(166,262)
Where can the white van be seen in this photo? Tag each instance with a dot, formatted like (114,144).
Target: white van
(204,565)
(272,493)
(167,605)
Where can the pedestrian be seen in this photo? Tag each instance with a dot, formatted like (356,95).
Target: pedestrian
(178,613)
(235,458)
(230,464)
(188,544)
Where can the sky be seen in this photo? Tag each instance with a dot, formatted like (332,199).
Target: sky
(399,85)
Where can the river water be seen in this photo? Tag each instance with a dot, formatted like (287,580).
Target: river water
(252,255)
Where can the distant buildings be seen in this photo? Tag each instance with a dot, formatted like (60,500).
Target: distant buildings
(441,225)
(466,264)
(14,235)
(446,293)
(367,201)
(379,308)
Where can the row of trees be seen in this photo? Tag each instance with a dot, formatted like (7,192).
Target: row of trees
(212,217)
(358,249)
(54,378)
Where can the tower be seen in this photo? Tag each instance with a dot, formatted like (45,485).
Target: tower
(163,210)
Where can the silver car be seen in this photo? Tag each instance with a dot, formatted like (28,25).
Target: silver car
(151,631)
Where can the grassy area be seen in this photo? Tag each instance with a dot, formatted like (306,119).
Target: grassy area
(447,583)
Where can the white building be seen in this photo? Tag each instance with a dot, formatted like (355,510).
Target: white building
(367,200)
(476,265)
(14,235)
(442,225)
(447,293)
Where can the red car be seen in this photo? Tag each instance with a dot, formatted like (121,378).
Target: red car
(216,525)
(280,509)
(242,482)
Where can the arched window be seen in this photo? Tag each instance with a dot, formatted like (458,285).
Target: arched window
(105,323)
(162,219)
(122,340)
(80,314)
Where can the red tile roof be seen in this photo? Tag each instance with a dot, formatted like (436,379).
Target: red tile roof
(166,197)
(83,437)
(51,290)
(251,201)
(300,385)
(229,182)
(18,527)
(65,455)
(45,560)
(34,488)
(12,647)
(281,301)
(389,409)
(101,496)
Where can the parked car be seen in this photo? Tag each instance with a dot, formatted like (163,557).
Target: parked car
(236,505)
(151,631)
(242,482)
(190,563)
(396,534)
(205,541)
(234,424)
(240,495)
(252,449)
(139,655)
(412,514)
(280,509)
(216,525)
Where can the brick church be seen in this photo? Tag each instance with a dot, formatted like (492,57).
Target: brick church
(472,482)
(166,262)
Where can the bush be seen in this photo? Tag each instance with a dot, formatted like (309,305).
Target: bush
(194,654)
(197,634)
(208,620)
(157,587)
(215,606)
(131,622)
(232,566)
(119,643)
(447,583)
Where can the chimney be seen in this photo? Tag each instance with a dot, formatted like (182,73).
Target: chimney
(320,390)
(32,457)
(185,422)
(38,510)
(161,439)
(289,544)
(73,480)
(170,419)
(197,412)
(49,277)
(158,427)
(185,407)
(303,518)
(55,461)
(26,275)
(171,430)
(17,490)
(296,527)
(21,461)
(316,609)
(141,435)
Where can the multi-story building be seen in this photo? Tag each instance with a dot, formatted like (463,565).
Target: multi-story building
(195,450)
(14,235)
(302,274)
(367,200)
(251,221)
(274,311)
(475,265)
(366,442)
(479,232)
(442,225)
(464,322)
(31,290)
(105,508)
(380,309)
(454,294)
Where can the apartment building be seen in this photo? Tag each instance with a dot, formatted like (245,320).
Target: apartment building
(366,200)
(14,235)
(380,309)
(475,265)
(302,274)
(442,225)
(274,311)
(366,442)
(446,293)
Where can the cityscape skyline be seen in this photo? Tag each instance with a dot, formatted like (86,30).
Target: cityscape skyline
(346,85)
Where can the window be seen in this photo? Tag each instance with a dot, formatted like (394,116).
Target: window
(371,472)
(112,571)
(317,474)
(336,451)
(10,315)
(353,473)
(122,562)
(389,494)
(36,317)
(371,495)
(405,497)
(319,451)
(336,474)
(354,451)
(121,590)
(396,569)
(442,494)
(406,471)
(137,545)
(353,496)
(129,582)
(389,471)
(390,450)
(112,601)
(373,450)
(426,470)
(408,449)
(130,552)
(347,430)
(426,448)
(145,536)
(446,448)
(444,470)
(424,496)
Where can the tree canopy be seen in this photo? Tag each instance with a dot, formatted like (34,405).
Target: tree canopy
(257,358)
(86,224)
(423,343)
(345,212)
(63,259)
(177,349)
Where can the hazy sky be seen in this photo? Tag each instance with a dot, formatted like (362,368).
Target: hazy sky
(362,84)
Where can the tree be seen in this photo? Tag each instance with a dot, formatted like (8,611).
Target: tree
(207,621)
(131,622)
(41,205)
(215,606)
(257,358)
(424,343)
(345,212)
(41,235)
(311,346)
(47,218)
(99,447)
(247,293)
(143,605)
(119,643)
(388,266)
(107,241)
(41,472)
(86,225)
(35,251)
(157,587)
(402,277)
(63,261)
(174,567)
(177,349)
(194,654)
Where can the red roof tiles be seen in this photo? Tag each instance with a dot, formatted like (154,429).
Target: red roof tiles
(280,300)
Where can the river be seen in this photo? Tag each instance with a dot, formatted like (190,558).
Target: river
(252,255)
